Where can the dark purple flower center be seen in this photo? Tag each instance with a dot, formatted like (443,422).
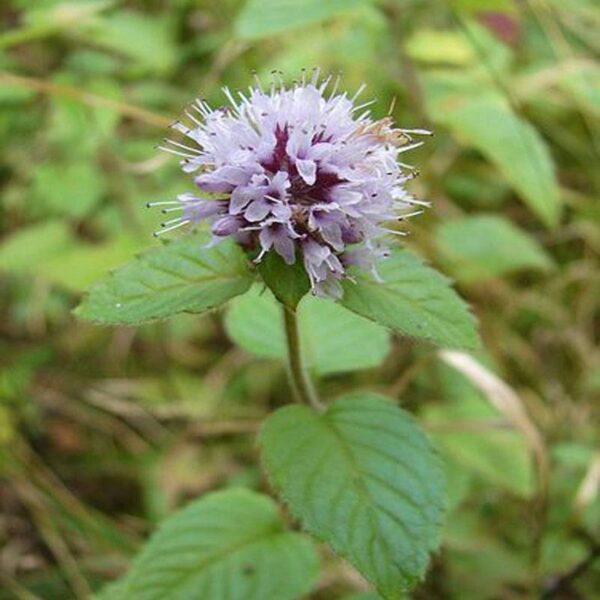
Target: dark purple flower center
(299,189)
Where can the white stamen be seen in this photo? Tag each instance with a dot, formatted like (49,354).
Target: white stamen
(358,92)
(394,232)
(336,84)
(179,126)
(191,117)
(407,166)
(364,105)
(411,214)
(260,256)
(276,200)
(258,82)
(417,131)
(162,203)
(410,147)
(324,84)
(167,223)
(177,152)
(198,108)
(416,201)
(364,115)
(231,99)
(316,73)
(392,106)
(183,146)
(176,226)
(202,107)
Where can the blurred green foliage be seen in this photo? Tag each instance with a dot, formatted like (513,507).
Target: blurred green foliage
(103,432)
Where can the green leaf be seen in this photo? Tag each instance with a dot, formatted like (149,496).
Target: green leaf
(229,545)
(439,46)
(335,47)
(584,85)
(333,339)
(112,591)
(23,250)
(181,276)
(498,455)
(81,265)
(79,130)
(364,478)
(485,121)
(147,39)
(262,18)
(414,300)
(488,246)
(42,21)
(481,562)
(484,5)
(7,427)
(363,596)
(50,250)
(69,189)
(289,283)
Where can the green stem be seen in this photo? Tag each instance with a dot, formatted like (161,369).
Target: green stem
(300,379)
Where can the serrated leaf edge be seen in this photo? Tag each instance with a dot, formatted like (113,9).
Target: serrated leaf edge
(452,283)
(76,311)
(339,551)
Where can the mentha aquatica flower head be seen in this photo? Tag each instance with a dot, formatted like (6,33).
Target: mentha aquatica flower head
(303,171)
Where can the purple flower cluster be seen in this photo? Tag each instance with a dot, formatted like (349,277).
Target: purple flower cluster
(301,171)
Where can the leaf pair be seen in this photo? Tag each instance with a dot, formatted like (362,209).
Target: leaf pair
(185,276)
(482,118)
(361,476)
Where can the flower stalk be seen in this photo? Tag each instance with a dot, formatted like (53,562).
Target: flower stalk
(300,379)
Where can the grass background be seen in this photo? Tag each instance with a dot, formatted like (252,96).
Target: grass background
(105,431)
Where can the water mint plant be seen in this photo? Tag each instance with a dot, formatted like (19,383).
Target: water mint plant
(298,193)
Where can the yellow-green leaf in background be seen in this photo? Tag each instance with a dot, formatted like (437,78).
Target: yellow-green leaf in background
(72,189)
(471,433)
(334,339)
(440,46)
(25,249)
(484,120)
(263,18)
(147,40)
(51,250)
(486,246)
